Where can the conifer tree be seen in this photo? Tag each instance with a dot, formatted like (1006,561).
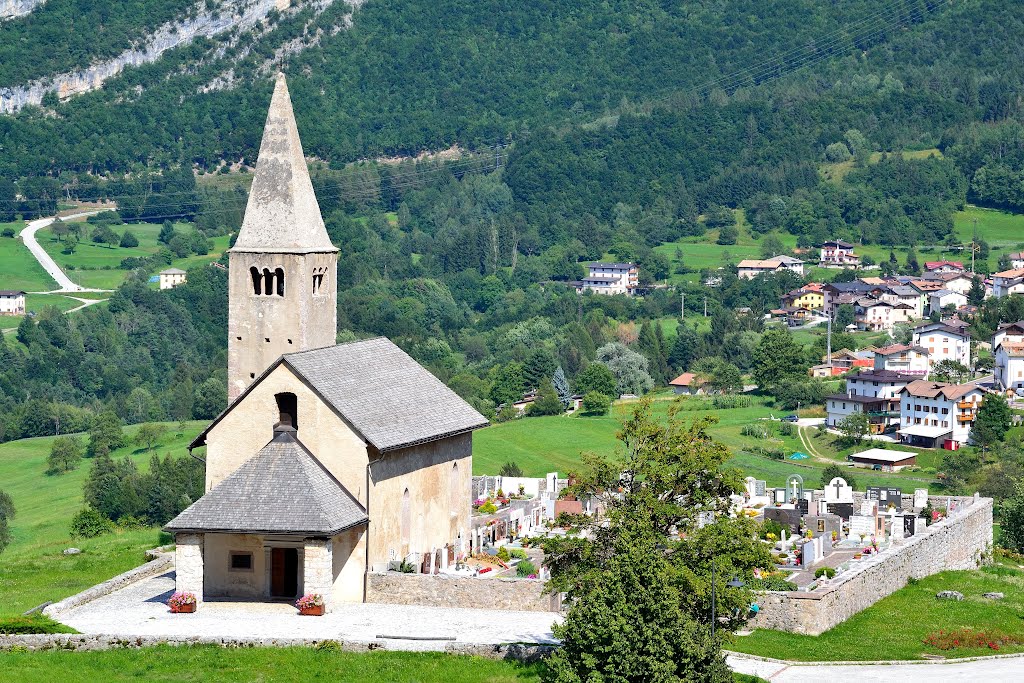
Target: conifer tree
(562,387)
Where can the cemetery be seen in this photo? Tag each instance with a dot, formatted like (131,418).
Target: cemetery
(837,551)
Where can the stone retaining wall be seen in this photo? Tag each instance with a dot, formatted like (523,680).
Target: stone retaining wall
(441,590)
(959,542)
(164,562)
(76,642)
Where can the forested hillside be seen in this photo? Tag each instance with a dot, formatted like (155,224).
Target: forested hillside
(593,129)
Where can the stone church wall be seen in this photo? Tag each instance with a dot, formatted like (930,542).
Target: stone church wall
(526,595)
(955,543)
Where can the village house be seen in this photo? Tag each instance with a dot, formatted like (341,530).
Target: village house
(1017,260)
(956,282)
(838,254)
(941,299)
(331,461)
(949,340)
(873,315)
(1008,352)
(903,294)
(884,459)
(748,269)
(12,302)
(172,277)
(905,358)
(687,384)
(938,414)
(874,393)
(809,296)
(609,278)
(943,267)
(840,293)
(1008,282)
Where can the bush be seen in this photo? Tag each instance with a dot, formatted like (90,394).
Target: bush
(128,239)
(595,403)
(770,526)
(526,568)
(757,431)
(827,572)
(772,582)
(89,523)
(487,508)
(518,553)
(503,554)
(787,429)
(8,232)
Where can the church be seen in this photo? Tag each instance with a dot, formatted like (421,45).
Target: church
(331,460)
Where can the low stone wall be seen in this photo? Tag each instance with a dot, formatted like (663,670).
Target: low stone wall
(88,643)
(441,590)
(164,562)
(958,542)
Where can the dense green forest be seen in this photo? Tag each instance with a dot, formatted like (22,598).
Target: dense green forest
(596,130)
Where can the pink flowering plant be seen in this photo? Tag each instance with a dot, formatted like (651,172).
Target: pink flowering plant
(181,598)
(310,601)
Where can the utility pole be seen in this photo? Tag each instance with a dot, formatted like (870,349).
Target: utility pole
(828,345)
(974,243)
(705,306)
(682,306)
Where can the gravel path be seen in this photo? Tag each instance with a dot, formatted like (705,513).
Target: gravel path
(140,610)
(990,670)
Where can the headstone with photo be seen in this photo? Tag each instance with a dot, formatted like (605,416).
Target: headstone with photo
(838,491)
(886,497)
(909,525)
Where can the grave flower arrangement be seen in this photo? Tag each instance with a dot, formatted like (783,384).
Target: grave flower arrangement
(182,602)
(311,604)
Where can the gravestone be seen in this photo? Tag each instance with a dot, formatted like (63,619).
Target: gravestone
(808,553)
(787,518)
(885,496)
(749,485)
(862,527)
(868,507)
(843,510)
(838,491)
(909,525)
(804,506)
(896,528)
(760,487)
(795,487)
(779,496)
(920,498)
(822,526)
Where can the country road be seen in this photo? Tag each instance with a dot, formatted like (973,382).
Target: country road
(28,236)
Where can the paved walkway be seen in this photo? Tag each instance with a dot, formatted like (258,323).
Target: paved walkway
(981,671)
(140,610)
(28,235)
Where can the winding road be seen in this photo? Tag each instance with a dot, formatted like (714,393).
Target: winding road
(28,236)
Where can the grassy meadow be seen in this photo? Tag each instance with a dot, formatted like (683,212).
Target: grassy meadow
(96,265)
(18,269)
(36,303)
(33,568)
(894,628)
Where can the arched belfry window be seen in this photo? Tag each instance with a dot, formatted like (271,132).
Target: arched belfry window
(267,282)
(318,280)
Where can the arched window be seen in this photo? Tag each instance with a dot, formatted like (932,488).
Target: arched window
(279,276)
(406,519)
(318,280)
(257,280)
(268,282)
(287,408)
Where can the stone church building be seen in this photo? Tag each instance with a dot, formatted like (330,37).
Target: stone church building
(331,460)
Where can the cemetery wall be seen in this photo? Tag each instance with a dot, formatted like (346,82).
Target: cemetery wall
(440,590)
(959,542)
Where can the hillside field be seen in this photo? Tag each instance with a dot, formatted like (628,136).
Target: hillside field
(96,265)
(18,269)
(32,568)
(36,303)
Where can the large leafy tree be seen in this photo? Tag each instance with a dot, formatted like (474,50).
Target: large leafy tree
(994,418)
(640,580)
(778,359)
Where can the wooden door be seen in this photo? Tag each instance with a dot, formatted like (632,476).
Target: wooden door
(277,572)
(284,572)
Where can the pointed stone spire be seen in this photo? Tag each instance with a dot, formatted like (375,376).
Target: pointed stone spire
(282,214)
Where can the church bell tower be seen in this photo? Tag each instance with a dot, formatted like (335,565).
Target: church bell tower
(282,291)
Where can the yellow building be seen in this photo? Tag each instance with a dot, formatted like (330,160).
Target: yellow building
(813,299)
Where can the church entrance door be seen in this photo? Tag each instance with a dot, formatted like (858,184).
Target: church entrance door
(284,572)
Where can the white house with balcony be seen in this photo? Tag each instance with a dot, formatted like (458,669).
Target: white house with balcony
(938,414)
(873,315)
(1008,282)
(944,341)
(610,278)
(903,358)
(838,254)
(1008,353)
(748,269)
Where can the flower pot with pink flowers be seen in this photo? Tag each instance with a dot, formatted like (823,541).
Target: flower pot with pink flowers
(311,605)
(182,602)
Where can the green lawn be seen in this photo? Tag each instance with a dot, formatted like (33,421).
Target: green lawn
(894,627)
(32,569)
(198,663)
(546,444)
(18,269)
(96,266)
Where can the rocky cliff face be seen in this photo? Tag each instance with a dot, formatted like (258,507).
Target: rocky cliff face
(15,8)
(232,14)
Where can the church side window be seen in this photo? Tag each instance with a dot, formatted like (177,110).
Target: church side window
(454,491)
(287,408)
(406,518)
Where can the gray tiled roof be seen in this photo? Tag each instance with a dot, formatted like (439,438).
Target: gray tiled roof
(283,489)
(389,398)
